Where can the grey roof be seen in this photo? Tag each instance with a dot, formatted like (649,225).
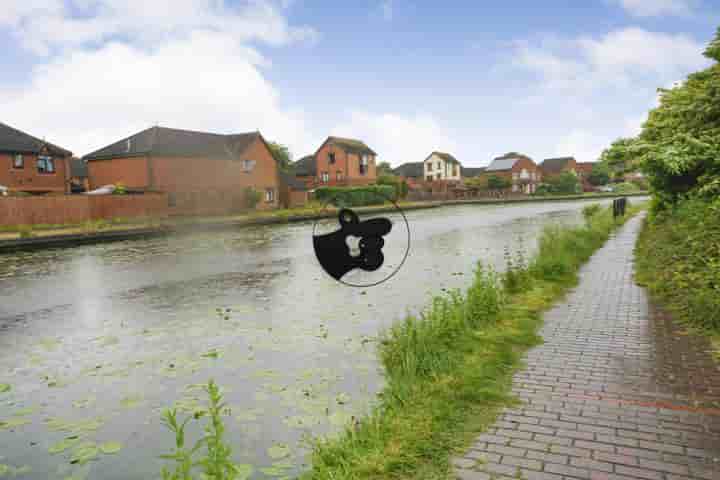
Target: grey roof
(292,181)
(350,145)
(13,140)
(555,165)
(445,156)
(305,166)
(78,168)
(470,172)
(410,170)
(175,142)
(501,163)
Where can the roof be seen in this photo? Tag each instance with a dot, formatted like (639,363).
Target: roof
(78,168)
(171,141)
(14,140)
(350,145)
(445,156)
(305,166)
(555,165)
(505,162)
(470,172)
(292,182)
(410,170)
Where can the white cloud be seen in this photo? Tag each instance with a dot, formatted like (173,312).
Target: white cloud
(582,144)
(618,59)
(387,10)
(85,99)
(49,25)
(397,138)
(654,8)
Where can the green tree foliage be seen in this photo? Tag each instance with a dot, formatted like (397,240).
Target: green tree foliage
(384,168)
(400,186)
(282,155)
(600,174)
(565,183)
(679,145)
(498,183)
(252,197)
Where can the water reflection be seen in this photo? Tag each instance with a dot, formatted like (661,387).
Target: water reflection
(100,338)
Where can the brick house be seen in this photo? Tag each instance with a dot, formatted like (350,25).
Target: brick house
(520,170)
(202,173)
(338,162)
(552,167)
(31,165)
(412,173)
(583,170)
(441,166)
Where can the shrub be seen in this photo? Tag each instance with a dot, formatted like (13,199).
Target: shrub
(356,196)
(252,197)
(590,210)
(26,231)
(120,189)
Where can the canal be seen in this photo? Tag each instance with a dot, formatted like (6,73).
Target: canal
(95,341)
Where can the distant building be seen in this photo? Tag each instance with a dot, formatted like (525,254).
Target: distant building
(338,162)
(522,172)
(201,172)
(79,181)
(28,164)
(552,167)
(411,172)
(472,172)
(441,166)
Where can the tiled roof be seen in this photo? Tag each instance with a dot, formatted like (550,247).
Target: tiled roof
(410,170)
(555,165)
(175,142)
(305,166)
(446,156)
(14,140)
(350,145)
(292,181)
(78,168)
(505,162)
(470,172)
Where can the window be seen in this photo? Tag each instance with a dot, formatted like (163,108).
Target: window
(325,177)
(339,175)
(429,178)
(248,165)
(363,164)
(269,195)
(438,167)
(45,164)
(18,161)
(331,158)
(172,199)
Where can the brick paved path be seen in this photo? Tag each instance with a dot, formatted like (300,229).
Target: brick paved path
(616,392)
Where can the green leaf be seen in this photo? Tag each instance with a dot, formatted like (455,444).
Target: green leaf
(84,452)
(279,450)
(243,471)
(13,422)
(4,387)
(109,448)
(63,445)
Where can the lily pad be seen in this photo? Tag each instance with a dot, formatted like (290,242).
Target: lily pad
(4,388)
(109,340)
(4,469)
(278,451)
(243,471)
(84,402)
(211,354)
(84,452)
(131,401)
(24,411)
(13,422)
(109,448)
(63,445)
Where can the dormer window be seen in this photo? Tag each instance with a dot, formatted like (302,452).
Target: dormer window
(18,161)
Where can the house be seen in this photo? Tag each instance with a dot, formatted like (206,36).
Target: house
(31,165)
(338,162)
(472,172)
(412,173)
(202,173)
(441,166)
(552,167)
(79,181)
(583,170)
(520,170)
(293,191)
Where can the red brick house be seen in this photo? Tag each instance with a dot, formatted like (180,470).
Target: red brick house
(411,173)
(338,162)
(583,170)
(28,164)
(520,170)
(552,167)
(202,173)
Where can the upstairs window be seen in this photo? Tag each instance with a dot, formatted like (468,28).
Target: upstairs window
(438,167)
(45,164)
(331,158)
(248,165)
(363,164)
(269,195)
(18,161)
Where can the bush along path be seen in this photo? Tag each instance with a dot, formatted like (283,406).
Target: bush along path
(611,394)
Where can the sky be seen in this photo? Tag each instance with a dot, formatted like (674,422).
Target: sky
(474,79)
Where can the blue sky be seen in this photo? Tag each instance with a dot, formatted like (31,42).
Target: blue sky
(476,79)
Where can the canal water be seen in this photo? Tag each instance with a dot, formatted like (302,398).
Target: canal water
(96,341)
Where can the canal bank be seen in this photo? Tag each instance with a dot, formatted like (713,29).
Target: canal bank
(83,235)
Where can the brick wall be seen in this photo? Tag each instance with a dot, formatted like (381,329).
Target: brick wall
(131,171)
(27,179)
(346,163)
(78,208)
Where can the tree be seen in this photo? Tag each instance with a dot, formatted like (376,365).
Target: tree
(622,156)
(384,168)
(281,154)
(566,182)
(600,174)
(498,183)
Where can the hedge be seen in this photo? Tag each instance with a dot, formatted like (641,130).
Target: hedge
(356,196)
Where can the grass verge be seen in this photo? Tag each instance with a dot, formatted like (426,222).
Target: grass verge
(678,254)
(448,371)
